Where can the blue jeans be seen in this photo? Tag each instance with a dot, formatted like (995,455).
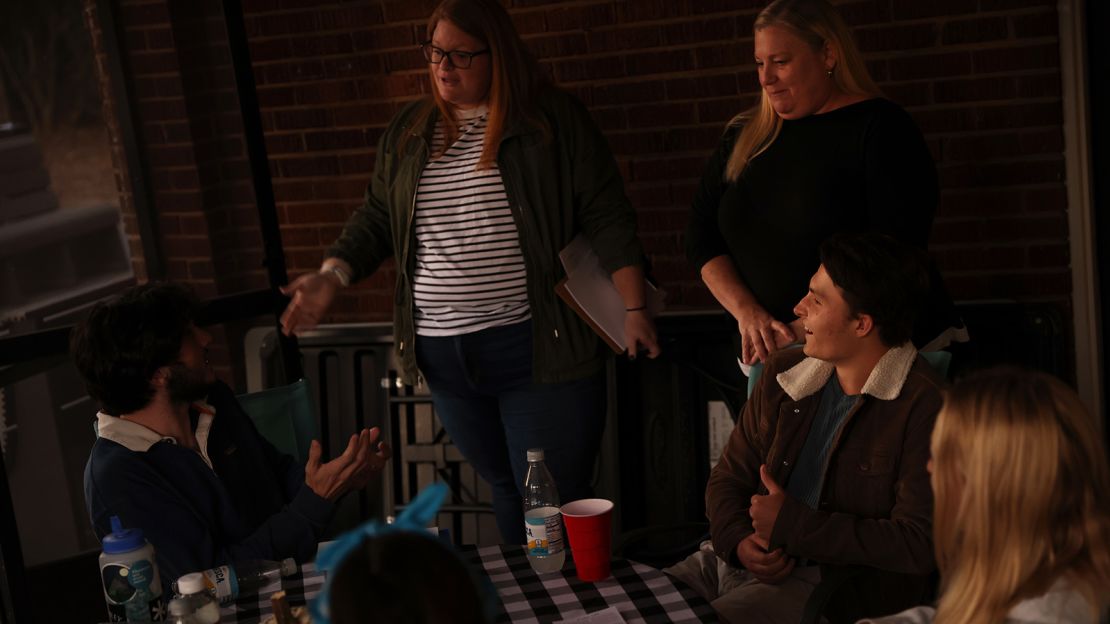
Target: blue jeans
(484,395)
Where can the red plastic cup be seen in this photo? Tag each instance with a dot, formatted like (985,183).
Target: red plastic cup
(588,523)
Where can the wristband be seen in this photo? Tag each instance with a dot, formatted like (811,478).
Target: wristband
(340,274)
(636,309)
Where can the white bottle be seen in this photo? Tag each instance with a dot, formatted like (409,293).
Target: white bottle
(543,524)
(193,588)
(181,612)
(245,578)
(132,587)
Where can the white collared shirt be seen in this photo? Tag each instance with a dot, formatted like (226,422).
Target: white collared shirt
(139,438)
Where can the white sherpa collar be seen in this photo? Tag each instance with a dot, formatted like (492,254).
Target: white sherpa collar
(885,381)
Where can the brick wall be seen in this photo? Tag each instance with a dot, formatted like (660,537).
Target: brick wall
(661,77)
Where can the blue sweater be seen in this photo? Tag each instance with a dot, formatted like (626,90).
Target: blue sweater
(251,504)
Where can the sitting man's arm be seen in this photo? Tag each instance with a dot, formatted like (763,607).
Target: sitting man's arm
(731,485)
(900,543)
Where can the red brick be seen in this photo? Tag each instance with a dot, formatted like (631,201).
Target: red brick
(595,68)
(979,203)
(628,93)
(660,115)
(1016,58)
(400,10)
(733,55)
(720,111)
(364,114)
(982,258)
(643,10)
(336,140)
(897,37)
(667,169)
(721,6)
(308,167)
(554,46)
(1044,256)
(143,14)
(975,89)
(528,23)
(348,18)
(271,97)
(909,93)
(270,50)
(1001,174)
(700,140)
(403,60)
(402,36)
(623,38)
(259,26)
(635,143)
(579,17)
(294,71)
(325,93)
(301,118)
(942,65)
(916,9)
(702,31)
(702,87)
(277,144)
(145,63)
(1036,25)
(974,30)
(1048,199)
(863,13)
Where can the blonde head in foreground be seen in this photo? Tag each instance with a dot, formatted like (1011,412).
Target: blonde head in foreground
(1021,483)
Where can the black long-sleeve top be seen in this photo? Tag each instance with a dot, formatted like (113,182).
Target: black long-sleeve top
(862,167)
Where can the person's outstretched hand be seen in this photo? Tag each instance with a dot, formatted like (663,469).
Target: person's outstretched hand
(761,334)
(349,471)
(312,294)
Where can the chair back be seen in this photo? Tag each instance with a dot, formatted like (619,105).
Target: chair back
(284,416)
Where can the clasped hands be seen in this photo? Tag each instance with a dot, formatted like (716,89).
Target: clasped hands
(351,470)
(754,553)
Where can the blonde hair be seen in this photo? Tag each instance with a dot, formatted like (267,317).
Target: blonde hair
(515,81)
(817,24)
(1020,479)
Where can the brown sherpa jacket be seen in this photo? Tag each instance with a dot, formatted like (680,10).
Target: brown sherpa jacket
(876,505)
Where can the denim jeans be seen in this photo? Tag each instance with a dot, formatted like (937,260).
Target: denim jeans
(484,395)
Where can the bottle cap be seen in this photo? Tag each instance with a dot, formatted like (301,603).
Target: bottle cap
(288,567)
(192,583)
(180,606)
(122,540)
(535,455)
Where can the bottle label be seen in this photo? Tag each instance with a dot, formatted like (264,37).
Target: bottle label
(222,583)
(133,592)
(543,527)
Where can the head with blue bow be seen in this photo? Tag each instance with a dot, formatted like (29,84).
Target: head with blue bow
(400,572)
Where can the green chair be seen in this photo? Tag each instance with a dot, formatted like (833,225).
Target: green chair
(284,416)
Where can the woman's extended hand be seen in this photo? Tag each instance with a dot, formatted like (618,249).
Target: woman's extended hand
(761,334)
(312,294)
(639,331)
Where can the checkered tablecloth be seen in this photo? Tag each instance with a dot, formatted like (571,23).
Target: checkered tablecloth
(639,592)
(299,588)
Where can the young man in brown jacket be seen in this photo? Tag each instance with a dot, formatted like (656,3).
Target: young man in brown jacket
(826,467)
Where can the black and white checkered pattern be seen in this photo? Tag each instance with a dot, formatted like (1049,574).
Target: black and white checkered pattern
(640,593)
(254,608)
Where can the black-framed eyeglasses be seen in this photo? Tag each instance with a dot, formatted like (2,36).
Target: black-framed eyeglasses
(458,58)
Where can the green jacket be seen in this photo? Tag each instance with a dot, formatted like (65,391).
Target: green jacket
(557,186)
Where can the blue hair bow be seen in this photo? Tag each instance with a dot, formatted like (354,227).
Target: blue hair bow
(416,516)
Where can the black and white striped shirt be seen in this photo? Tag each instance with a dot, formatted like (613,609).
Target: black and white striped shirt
(470,272)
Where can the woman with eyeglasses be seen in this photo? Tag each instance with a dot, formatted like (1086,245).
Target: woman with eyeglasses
(821,152)
(1021,520)
(474,193)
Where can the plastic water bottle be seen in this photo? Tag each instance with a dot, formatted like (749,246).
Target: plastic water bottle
(132,587)
(181,611)
(228,582)
(543,524)
(193,589)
